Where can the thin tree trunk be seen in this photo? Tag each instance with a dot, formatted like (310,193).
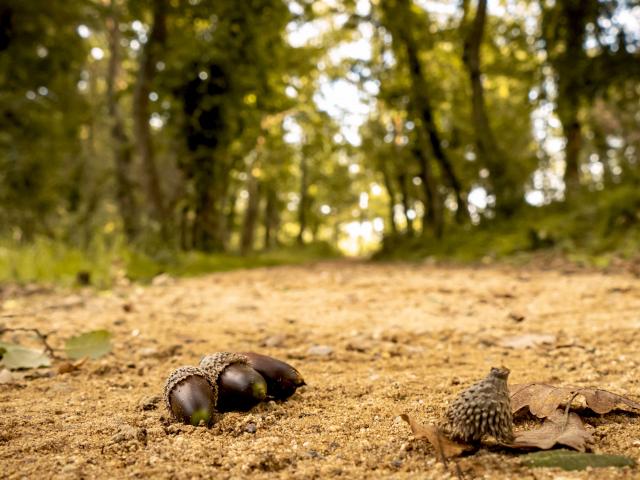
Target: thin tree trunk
(489,154)
(230,215)
(251,214)
(573,132)
(304,199)
(144,141)
(404,196)
(432,216)
(122,147)
(271,220)
(388,184)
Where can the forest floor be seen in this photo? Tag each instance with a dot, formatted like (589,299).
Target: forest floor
(372,341)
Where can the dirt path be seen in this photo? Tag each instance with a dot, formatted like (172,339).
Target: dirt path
(404,338)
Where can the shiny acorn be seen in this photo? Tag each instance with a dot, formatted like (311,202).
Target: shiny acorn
(282,379)
(190,396)
(240,387)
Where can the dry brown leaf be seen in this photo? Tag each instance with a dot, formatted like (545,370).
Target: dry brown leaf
(554,432)
(445,447)
(68,367)
(543,399)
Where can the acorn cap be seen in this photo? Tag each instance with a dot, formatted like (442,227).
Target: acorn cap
(482,409)
(214,364)
(183,373)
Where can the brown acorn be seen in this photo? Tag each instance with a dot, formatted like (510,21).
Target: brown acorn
(482,409)
(240,387)
(190,396)
(282,379)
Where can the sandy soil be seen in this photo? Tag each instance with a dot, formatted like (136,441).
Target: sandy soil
(403,338)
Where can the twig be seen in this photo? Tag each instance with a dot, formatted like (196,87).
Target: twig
(566,410)
(458,470)
(41,336)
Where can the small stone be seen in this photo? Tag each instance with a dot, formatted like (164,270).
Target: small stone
(251,428)
(5,376)
(320,351)
(150,403)
(274,341)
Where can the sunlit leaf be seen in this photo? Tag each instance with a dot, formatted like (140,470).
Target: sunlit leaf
(93,344)
(15,357)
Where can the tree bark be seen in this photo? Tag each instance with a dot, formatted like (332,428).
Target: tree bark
(304,199)
(144,140)
(432,216)
(404,197)
(508,197)
(388,184)
(250,220)
(271,218)
(122,146)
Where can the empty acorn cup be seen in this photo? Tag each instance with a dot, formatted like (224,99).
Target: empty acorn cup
(190,396)
(282,379)
(240,387)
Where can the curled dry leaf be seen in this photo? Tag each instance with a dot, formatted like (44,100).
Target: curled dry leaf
(556,430)
(445,447)
(543,399)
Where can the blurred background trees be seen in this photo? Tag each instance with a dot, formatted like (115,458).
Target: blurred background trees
(223,126)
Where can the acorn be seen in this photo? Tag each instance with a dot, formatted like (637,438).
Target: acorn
(240,387)
(482,409)
(282,379)
(190,396)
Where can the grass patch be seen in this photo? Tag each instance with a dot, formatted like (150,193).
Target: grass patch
(47,261)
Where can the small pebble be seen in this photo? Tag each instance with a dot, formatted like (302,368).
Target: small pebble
(251,428)
(320,351)
(5,376)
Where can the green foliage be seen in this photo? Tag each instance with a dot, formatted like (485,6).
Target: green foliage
(94,344)
(56,262)
(572,461)
(592,229)
(16,357)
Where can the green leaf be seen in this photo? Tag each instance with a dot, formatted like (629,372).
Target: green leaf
(568,460)
(93,344)
(15,357)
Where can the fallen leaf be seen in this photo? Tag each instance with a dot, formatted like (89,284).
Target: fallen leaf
(527,340)
(445,447)
(93,344)
(68,367)
(543,399)
(568,460)
(554,432)
(15,357)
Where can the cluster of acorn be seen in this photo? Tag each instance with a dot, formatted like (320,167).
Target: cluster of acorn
(227,381)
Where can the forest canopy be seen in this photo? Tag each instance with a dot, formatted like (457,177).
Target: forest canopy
(242,126)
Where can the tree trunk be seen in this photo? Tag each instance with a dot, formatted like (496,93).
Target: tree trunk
(251,214)
(144,141)
(388,184)
(400,24)
(508,197)
(404,196)
(304,199)
(208,231)
(271,218)
(432,216)
(573,131)
(122,147)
